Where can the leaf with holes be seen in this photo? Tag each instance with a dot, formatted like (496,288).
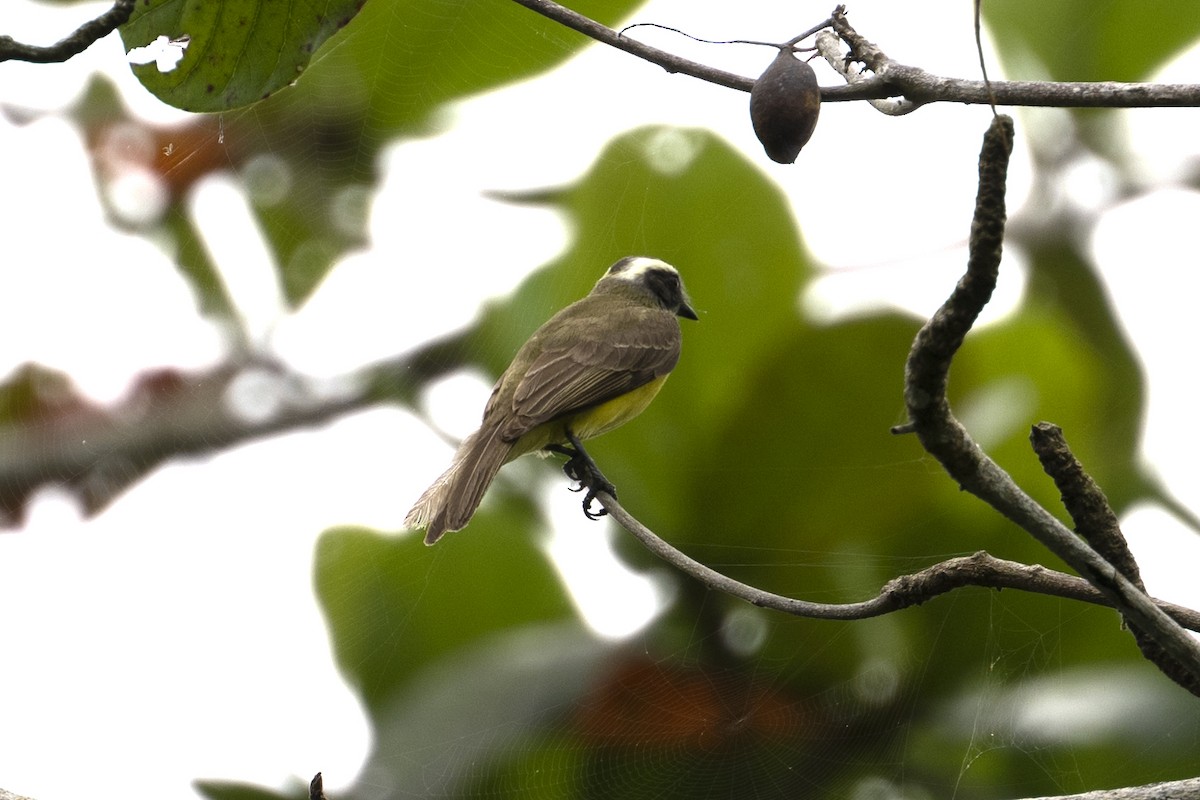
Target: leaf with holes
(235,52)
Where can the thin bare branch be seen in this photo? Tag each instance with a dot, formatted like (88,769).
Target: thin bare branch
(978,569)
(606,35)
(84,37)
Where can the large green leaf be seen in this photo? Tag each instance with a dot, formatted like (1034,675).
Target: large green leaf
(395,606)
(234,790)
(461,653)
(238,51)
(1091,40)
(392,70)
(404,59)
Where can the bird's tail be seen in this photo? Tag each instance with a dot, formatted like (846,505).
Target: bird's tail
(450,502)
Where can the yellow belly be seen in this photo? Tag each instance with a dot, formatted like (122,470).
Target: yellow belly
(591,422)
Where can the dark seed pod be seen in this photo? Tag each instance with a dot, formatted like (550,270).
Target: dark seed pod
(784,105)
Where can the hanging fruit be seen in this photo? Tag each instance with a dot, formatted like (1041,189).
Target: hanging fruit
(784,105)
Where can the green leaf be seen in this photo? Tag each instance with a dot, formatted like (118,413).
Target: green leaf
(234,790)
(395,606)
(1091,40)
(469,712)
(403,60)
(194,262)
(463,653)
(238,51)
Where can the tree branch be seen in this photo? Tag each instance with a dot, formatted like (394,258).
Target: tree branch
(1094,518)
(899,80)
(1170,790)
(99,452)
(978,569)
(606,35)
(944,437)
(1096,522)
(84,37)
(829,46)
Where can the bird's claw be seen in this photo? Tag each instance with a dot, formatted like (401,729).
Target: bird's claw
(587,507)
(594,483)
(583,470)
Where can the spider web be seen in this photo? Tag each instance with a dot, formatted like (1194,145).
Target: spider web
(698,704)
(710,709)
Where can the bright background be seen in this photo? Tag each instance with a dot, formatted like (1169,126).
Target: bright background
(200,650)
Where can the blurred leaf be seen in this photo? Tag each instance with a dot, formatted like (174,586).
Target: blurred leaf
(1062,278)
(394,606)
(36,405)
(669,193)
(390,75)
(387,75)
(810,431)
(37,396)
(403,59)
(1038,367)
(801,489)
(652,727)
(1091,40)
(658,728)
(545,769)
(463,653)
(177,156)
(193,260)
(466,714)
(233,790)
(804,486)
(237,52)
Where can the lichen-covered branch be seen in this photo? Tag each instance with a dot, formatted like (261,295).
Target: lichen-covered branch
(1097,523)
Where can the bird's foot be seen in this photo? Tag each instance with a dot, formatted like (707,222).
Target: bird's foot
(581,468)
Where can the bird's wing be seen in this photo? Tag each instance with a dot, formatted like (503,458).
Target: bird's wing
(617,358)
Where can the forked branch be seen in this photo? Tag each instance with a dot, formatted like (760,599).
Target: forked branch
(944,437)
(1156,624)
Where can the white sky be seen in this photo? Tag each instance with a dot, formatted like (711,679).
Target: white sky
(123,637)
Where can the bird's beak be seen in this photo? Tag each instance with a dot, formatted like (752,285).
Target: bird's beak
(687,311)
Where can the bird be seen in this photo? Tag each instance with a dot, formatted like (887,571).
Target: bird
(590,368)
